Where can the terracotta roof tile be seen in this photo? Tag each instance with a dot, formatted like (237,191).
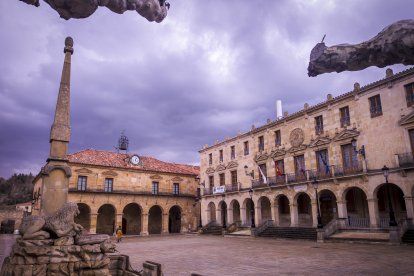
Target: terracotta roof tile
(120,160)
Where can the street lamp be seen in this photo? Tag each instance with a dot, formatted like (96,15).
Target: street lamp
(247,172)
(251,209)
(315,186)
(386,172)
(361,150)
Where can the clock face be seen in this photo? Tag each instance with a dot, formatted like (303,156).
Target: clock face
(135,159)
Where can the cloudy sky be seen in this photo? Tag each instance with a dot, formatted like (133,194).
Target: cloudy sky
(212,68)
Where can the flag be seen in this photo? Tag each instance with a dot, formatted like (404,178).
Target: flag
(263,176)
(324,162)
(278,173)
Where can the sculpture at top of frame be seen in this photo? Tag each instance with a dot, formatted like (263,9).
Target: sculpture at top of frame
(393,45)
(152,10)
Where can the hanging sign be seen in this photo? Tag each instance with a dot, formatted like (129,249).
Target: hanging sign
(219,189)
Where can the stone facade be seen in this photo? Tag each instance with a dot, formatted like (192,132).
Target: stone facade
(153,197)
(315,143)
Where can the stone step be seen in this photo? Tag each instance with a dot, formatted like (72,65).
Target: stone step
(408,237)
(290,233)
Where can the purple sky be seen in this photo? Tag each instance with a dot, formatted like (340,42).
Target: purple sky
(212,68)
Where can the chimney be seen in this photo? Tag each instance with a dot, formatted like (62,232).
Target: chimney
(279,110)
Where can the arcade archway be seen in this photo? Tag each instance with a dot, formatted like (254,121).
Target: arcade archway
(84,217)
(174,220)
(106,220)
(155,220)
(131,219)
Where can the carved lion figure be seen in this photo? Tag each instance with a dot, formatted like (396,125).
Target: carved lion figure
(61,224)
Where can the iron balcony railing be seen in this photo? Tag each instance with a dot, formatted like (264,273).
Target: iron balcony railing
(321,174)
(350,169)
(208,191)
(296,177)
(232,188)
(406,159)
(161,192)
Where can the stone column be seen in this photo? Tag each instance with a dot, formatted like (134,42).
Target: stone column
(257,215)
(243,216)
(144,224)
(94,220)
(165,220)
(230,218)
(275,213)
(219,219)
(293,215)
(314,213)
(118,221)
(342,211)
(373,212)
(409,206)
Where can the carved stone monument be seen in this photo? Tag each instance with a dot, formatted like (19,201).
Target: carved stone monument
(393,45)
(152,10)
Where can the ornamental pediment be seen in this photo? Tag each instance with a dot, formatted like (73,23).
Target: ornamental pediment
(407,120)
(220,168)
(298,148)
(177,179)
(278,153)
(232,164)
(83,170)
(210,170)
(346,134)
(110,173)
(320,141)
(155,177)
(261,156)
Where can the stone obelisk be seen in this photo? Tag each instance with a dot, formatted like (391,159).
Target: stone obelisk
(56,173)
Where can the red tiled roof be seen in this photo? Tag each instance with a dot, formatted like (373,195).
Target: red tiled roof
(121,160)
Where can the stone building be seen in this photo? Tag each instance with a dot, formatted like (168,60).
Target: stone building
(342,143)
(141,194)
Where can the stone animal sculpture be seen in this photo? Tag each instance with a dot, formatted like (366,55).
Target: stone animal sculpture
(393,45)
(152,10)
(61,224)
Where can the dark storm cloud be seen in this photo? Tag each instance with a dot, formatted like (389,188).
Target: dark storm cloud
(211,69)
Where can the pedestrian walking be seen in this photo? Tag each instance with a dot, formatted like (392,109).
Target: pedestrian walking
(119,234)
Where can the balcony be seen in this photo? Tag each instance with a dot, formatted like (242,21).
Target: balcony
(232,188)
(406,159)
(149,192)
(296,177)
(321,174)
(352,169)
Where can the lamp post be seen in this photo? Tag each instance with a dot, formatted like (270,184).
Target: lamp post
(386,172)
(315,186)
(198,199)
(251,210)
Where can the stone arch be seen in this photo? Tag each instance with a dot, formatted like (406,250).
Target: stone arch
(223,213)
(106,219)
(155,220)
(211,212)
(84,217)
(304,207)
(356,207)
(248,206)
(235,206)
(132,219)
(383,193)
(283,210)
(174,219)
(265,208)
(327,205)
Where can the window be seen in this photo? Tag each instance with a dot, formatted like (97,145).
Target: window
(222,181)
(263,170)
(319,125)
(82,180)
(109,185)
(322,161)
(345,119)
(261,143)
(221,155)
(155,188)
(210,159)
(278,138)
(409,94)
(232,152)
(246,148)
(280,167)
(211,180)
(176,188)
(300,165)
(349,157)
(233,178)
(375,106)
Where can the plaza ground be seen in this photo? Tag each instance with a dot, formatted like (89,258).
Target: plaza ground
(216,255)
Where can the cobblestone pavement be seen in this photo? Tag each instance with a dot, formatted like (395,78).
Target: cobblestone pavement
(216,255)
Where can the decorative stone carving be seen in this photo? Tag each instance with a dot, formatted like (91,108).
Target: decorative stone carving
(407,119)
(320,141)
(393,45)
(83,171)
(277,153)
(210,170)
(346,134)
(232,164)
(220,168)
(155,177)
(298,148)
(152,10)
(109,173)
(177,179)
(261,156)
(296,137)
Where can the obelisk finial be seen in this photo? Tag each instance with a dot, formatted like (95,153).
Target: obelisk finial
(68,45)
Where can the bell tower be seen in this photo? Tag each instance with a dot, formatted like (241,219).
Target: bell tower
(56,173)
